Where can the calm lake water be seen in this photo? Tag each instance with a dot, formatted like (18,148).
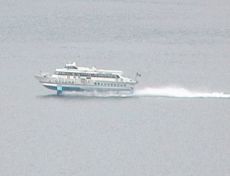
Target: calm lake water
(180,47)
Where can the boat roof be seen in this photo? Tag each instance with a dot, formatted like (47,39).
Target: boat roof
(74,68)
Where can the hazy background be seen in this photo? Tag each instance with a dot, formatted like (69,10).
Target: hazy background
(173,43)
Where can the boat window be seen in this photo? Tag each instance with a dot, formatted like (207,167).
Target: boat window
(85,74)
(99,75)
(71,67)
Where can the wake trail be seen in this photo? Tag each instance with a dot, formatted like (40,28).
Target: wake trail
(168,92)
(177,93)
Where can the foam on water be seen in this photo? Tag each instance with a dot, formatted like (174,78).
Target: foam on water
(177,93)
(171,92)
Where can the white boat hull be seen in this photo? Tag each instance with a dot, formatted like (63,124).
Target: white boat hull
(74,78)
(87,85)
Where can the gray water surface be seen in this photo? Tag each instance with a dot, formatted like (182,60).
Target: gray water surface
(172,43)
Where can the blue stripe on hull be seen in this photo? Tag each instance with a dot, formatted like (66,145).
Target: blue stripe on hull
(64,88)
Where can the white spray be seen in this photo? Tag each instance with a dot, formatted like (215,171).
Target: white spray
(177,93)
